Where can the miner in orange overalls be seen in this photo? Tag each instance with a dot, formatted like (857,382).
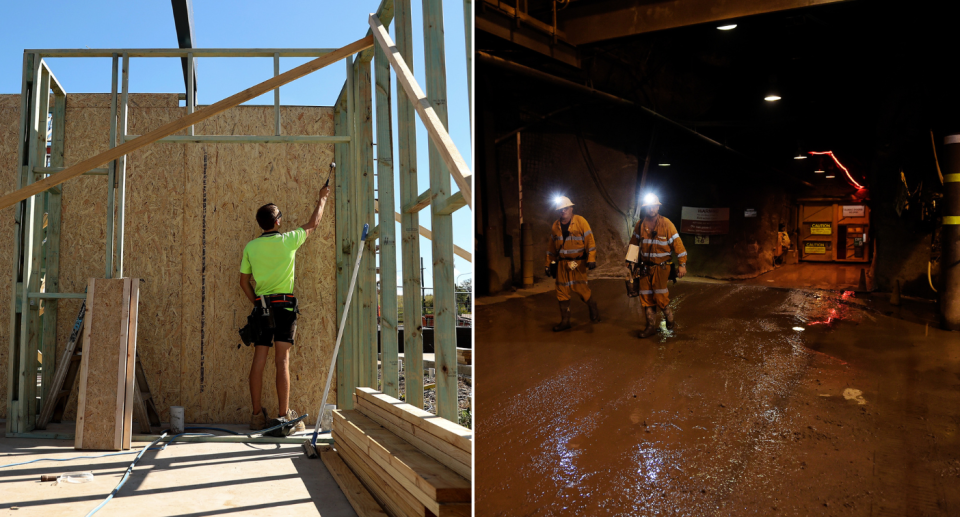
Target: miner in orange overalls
(570,252)
(654,239)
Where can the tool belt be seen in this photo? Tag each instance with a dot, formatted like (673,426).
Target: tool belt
(645,269)
(261,319)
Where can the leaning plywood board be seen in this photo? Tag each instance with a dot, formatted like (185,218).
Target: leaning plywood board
(103,368)
(452,457)
(428,480)
(360,499)
(456,435)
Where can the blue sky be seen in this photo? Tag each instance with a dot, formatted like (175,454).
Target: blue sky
(237,24)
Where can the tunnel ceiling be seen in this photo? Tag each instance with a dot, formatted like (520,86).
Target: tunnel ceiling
(856,78)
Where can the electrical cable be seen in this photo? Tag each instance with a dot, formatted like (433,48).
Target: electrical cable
(126,474)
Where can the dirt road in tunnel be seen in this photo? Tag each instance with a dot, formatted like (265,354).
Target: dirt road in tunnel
(736,413)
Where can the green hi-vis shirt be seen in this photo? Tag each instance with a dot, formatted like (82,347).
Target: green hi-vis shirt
(270,259)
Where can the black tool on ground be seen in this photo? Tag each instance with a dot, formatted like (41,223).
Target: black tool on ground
(281,427)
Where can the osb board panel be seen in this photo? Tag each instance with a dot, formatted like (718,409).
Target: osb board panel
(9,134)
(100,370)
(164,246)
(239,179)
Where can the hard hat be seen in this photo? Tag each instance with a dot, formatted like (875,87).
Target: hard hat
(650,200)
(563,202)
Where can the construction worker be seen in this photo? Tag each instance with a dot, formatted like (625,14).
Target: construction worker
(570,252)
(268,260)
(648,257)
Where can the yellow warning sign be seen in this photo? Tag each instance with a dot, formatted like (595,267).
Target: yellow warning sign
(818,248)
(821,229)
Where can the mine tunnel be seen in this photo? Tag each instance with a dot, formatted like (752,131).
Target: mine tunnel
(805,156)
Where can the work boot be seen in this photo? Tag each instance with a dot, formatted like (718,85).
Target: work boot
(285,430)
(668,314)
(651,328)
(594,310)
(564,317)
(259,420)
(300,427)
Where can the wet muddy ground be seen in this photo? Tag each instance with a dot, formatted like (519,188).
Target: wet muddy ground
(737,413)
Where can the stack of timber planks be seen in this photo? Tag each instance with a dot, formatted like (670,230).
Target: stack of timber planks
(107,369)
(411,461)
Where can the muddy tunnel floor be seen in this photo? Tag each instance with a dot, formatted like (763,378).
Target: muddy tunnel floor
(736,413)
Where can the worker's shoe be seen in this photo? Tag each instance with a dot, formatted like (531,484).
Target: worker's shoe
(564,317)
(671,325)
(649,331)
(292,415)
(668,315)
(285,427)
(594,310)
(259,420)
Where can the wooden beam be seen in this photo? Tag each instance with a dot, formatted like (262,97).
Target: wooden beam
(409,222)
(359,497)
(176,125)
(250,139)
(276,96)
(454,203)
(102,171)
(386,228)
(191,88)
(344,252)
(428,113)
(374,233)
(182,52)
(52,251)
(457,250)
(600,21)
(367,281)
(422,201)
(441,167)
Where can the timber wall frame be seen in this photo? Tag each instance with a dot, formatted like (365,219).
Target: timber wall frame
(357,364)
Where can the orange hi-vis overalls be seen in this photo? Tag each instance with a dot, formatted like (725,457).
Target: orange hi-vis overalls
(579,247)
(655,250)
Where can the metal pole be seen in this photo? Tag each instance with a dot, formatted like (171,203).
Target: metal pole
(276,95)
(950,299)
(112,174)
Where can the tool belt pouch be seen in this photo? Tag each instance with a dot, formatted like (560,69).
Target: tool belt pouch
(251,332)
(673,272)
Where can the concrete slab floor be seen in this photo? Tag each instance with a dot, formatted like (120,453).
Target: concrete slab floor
(735,413)
(185,479)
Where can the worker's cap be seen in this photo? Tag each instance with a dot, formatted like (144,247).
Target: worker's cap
(562,202)
(650,200)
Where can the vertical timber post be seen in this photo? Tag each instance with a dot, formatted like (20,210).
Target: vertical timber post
(52,254)
(21,227)
(344,253)
(950,298)
(112,173)
(409,222)
(122,167)
(367,282)
(387,223)
(444,298)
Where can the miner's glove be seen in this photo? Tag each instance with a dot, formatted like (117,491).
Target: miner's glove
(591,265)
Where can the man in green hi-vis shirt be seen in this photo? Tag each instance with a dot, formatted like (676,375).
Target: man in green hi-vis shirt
(268,261)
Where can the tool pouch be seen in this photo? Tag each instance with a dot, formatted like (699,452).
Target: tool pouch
(553,269)
(673,272)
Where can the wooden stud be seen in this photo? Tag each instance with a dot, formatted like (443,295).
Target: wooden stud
(112,172)
(444,297)
(84,370)
(52,252)
(409,222)
(184,122)
(367,280)
(122,169)
(132,308)
(50,170)
(454,202)
(346,361)
(429,108)
(276,96)
(181,53)
(122,362)
(20,231)
(388,228)
(191,97)
(358,496)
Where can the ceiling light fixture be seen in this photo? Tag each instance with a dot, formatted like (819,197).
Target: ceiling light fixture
(818,172)
(771,98)
(727,27)
(800,157)
(830,176)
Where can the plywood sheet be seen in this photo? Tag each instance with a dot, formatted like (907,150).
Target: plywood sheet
(100,413)
(9,133)
(189,256)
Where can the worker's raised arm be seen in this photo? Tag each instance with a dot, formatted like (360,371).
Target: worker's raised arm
(317,212)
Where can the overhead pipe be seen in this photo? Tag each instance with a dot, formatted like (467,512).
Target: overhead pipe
(564,83)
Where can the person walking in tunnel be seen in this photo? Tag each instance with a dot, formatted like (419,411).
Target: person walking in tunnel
(654,239)
(570,252)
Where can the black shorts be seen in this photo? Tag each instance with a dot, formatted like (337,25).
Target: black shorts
(285,328)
